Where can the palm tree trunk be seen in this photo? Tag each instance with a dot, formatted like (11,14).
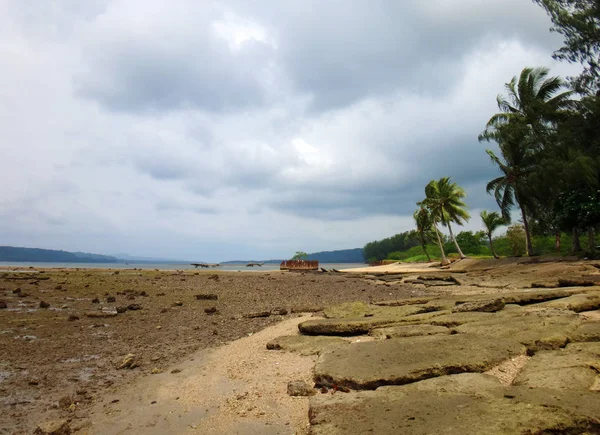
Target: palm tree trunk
(425,250)
(455,242)
(492,246)
(557,241)
(576,245)
(439,239)
(528,245)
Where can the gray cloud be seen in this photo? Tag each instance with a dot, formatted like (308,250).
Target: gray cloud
(206,130)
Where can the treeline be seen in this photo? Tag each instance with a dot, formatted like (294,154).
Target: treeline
(11,253)
(355,255)
(381,249)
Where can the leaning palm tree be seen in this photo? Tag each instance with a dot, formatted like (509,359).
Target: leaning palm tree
(424,225)
(444,199)
(522,129)
(492,221)
(513,186)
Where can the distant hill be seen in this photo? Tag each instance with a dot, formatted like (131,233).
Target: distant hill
(342,256)
(11,253)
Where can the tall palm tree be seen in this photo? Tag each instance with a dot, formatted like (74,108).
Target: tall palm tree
(526,121)
(424,226)
(444,199)
(533,101)
(492,221)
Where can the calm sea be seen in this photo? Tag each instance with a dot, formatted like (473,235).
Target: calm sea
(163,266)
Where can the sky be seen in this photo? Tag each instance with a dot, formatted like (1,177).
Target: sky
(247,129)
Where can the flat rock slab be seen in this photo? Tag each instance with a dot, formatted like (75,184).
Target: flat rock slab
(344,327)
(360,309)
(408,331)
(560,369)
(484,306)
(467,404)
(536,331)
(577,302)
(380,317)
(404,360)
(305,345)
(456,319)
(588,331)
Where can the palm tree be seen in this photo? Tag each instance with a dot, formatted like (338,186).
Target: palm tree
(532,102)
(424,226)
(492,221)
(444,198)
(522,129)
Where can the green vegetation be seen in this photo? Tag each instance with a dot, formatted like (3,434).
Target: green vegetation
(11,253)
(300,255)
(444,202)
(492,221)
(578,21)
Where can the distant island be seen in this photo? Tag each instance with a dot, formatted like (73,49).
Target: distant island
(11,253)
(19,254)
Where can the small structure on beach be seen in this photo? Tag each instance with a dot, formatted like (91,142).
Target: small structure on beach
(299,265)
(253,263)
(205,265)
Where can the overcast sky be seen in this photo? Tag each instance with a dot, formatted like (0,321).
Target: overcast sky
(242,129)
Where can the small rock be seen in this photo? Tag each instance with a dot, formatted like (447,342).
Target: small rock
(58,287)
(128,362)
(116,272)
(95,301)
(485,306)
(214,277)
(143,293)
(33,382)
(257,314)
(324,390)
(175,371)
(65,402)
(57,427)
(156,371)
(134,307)
(100,314)
(44,304)
(279,312)
(73,317)
(158,327)
(300,388)
(17,290)
(3,304)
(164,310)
(131,297)
(111,299)
(207,297)
(121,310)
(178,304)
(211,310)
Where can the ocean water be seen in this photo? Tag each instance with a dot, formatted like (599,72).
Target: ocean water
(161,266)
